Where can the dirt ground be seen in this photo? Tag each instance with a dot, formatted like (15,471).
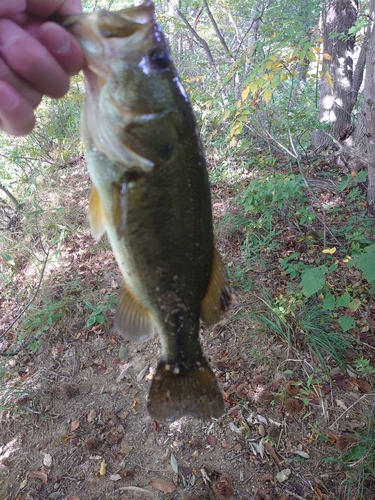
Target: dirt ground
(74,423)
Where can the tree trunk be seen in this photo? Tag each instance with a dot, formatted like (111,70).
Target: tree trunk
(364,135)
(336,97)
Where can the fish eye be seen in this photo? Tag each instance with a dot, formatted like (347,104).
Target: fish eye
(160,58)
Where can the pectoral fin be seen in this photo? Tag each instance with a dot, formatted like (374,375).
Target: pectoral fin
(218,297)
(96,214)
(133,321)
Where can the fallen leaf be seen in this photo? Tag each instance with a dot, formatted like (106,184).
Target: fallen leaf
(269,448)
(74,425)
(174,464)
(66,438)
(47,460)
(39,475)
(123,353)
(302,454)
(162,485)
(225,445)
(346,440)
(142,373)
(341,404)
(125,449)
(23,484)
(115,477)
(265,478)
(135,404)
(211,440)
(103,468)
(223,488)
(362,385)
(91,416)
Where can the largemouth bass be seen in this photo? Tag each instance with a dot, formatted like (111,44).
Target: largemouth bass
(151,195)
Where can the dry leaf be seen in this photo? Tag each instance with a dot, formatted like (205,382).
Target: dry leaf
(74,425)
(223,488)
(226,446)
(125,448)
(162,485)
(103,468)
(39,475)
(142,373)
(362,385)
(115,477)
(291,387)
(211,440)
(66,438)
(91,416)
(174,464)
(47,460)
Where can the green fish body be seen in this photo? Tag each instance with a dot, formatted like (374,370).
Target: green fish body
(151,195)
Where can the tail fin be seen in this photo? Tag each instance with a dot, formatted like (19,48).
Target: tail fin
(175,393)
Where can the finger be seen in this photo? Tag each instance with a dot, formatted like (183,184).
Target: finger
(19,85)
(48,7)
(10,7)
(16,114)
(31,60)
(63,46)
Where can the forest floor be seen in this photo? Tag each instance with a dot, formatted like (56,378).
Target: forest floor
(74,423)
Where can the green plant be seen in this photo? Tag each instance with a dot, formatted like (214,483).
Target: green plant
(40,320)
(96,316)
(363,367)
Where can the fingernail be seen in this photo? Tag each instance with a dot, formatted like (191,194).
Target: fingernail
(58,41)
(9,100)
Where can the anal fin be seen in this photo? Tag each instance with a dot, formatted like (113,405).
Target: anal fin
(176,392)
(96,214)
(133,320)
(218,298)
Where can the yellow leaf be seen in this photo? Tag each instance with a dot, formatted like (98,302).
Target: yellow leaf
(283,76)
(227,114)
(328,79)
(253,86)
(319,40)
(331,251)
(347,259)
(233,142)
(267,95)
(245,93)
(327,56)
(103,468)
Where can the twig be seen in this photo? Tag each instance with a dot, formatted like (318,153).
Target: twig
(346,411)
(134,488)
(293,494)
(29,303)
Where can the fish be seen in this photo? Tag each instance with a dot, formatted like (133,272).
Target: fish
(151,195)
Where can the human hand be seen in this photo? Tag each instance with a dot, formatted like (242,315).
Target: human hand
(37,57)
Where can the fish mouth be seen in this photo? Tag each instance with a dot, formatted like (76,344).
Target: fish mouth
(120,24)
(102,33)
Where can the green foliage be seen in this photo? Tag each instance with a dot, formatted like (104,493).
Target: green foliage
(96,316)
(295,321)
